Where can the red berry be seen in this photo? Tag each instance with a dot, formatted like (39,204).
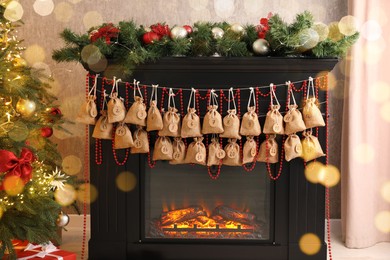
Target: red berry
(46,131)
(150,37)
(188,29)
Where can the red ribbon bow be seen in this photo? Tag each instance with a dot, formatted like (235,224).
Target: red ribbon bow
(107,32)
(13,165)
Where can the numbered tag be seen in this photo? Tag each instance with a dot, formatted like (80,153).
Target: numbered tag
(228,121)
(116,110)
(141,114)
(221,154)
(164,149)
(287,118)
(191,124)
(213,122)
(93,112)
(199,157)
(103,127)
(253,151)
(276,128)
(272,151)
(298,148)
(138,143)
(121,131)
(176,155)
(173,128)
(232,154)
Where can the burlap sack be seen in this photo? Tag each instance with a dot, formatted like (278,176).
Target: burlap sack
(274,121)
(231,125)
(163,149)
(269,150)
(216,153)
(212,122)
(294,121)
(123,137)
(154,119)
(233,155)
(88,111)
(249,151)
(141,141)
(179,151)
(311,147)
(137,112)
(116,110)
(191,124)
(103,129)
(196,152)
(171,123)
(250,125)
(311,114)
(292,147)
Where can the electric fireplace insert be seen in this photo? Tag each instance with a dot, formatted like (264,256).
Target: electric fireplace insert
(190,211)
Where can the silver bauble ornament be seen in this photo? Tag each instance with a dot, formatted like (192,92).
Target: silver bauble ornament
(261,47)
(217,32)
(308,39)
(178,32)
(62,220)
(25,107)
(237,28)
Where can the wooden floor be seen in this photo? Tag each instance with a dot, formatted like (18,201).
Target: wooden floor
(72,240)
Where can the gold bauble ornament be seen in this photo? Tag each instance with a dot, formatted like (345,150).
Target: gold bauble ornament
(25,107)
(63,219)
(19,62)
(237,28)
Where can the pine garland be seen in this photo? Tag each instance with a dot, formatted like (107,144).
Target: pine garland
(129,50)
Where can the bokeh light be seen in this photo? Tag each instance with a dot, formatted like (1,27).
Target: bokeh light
(34,53)
(126,181)
(310,244)
(65,196)
(371,30)
(332,81)
(322,30)
(373,51)
(71,164)
(43,7)
(224,8)
(385,111)
(99,66)
(92,19)
(36,141)
(19,132)
(13,185)
(379,91)
(75,1)
(1,212)
(348,25)
(334,32)
(344,66)
(314,172)
(88,197)
(379,14)
(382,221)
(329,176)
(63,12)
(253,7)
(308,39)
(13,11)
(363,153)
(385,191)
(41,70)
(91,54)
(198,4)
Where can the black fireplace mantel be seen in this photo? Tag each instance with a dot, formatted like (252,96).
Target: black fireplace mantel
(299,206)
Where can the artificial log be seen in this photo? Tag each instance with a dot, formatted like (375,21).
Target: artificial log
(228,213)
(180,215)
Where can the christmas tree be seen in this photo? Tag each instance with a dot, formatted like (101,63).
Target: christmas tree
(31,182)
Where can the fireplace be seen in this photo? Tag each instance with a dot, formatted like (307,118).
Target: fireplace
(188,212)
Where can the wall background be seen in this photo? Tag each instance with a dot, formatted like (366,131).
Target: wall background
(41,37)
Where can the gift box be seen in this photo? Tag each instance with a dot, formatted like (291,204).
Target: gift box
(46,251)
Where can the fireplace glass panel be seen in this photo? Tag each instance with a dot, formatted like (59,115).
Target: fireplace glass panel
(183,202)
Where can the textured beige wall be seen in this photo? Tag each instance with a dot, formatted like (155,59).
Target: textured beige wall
(41,35)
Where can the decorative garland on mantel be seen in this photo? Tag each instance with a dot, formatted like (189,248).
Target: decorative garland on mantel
(128,44)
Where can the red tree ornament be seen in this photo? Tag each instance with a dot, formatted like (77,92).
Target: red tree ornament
(150,37)
(46,131)
(161,30)
(263,27)
(55,111)
(188,28)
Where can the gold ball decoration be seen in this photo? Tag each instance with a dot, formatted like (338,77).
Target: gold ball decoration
(63,219)
(217,32)
(261,47)
(237,28)
(19,62)
(26,107)
(178,32)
